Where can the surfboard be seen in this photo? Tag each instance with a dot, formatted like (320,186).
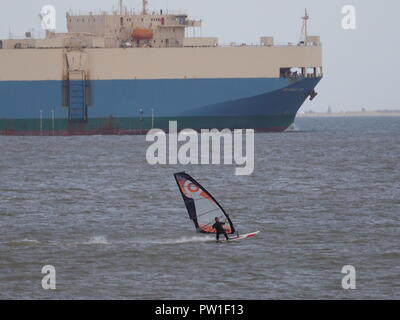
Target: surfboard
(240,237)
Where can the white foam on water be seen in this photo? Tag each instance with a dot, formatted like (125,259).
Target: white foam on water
(97,240)
(21,242)
(292,128)
(182,240)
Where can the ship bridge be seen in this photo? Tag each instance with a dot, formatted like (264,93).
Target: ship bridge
(126,28)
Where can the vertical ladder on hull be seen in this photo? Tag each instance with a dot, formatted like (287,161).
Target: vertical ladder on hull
(77,101)
(76,89)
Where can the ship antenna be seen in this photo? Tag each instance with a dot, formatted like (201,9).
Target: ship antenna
(121,7)
(145,3)
(304,30)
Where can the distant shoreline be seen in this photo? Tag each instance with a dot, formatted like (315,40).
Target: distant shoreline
(350,114)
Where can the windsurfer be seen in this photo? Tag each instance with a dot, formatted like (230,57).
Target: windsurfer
(219,228)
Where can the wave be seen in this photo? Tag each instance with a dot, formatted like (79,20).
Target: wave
(182,240)
(102,240)
(21,242)
(97,240)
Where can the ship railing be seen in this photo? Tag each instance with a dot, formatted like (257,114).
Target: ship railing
(179,12)
(129,12)
(302,76)
(100,13)
(282,44)
(189,24)
(20,37)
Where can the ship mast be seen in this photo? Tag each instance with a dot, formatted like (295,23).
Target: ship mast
(305,26)
(145,3)
(120,7)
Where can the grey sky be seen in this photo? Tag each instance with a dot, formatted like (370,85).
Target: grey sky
(361,66)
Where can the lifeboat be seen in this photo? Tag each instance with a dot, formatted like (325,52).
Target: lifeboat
(142,34)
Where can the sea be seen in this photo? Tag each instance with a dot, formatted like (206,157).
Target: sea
(324,196)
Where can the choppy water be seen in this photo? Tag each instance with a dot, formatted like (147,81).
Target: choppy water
(115,228)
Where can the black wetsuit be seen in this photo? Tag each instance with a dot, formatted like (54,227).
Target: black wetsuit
(219,227)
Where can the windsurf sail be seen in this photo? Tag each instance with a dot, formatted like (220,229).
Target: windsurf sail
(201,205)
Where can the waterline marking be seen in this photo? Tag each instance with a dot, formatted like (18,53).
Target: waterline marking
(203,148)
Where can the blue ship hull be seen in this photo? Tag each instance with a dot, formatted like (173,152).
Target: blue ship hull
(135,106)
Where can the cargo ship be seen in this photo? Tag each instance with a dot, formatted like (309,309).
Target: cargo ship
(128,71)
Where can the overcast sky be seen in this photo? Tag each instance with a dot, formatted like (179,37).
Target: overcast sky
(362,67)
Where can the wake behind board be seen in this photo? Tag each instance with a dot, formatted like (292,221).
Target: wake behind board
(238,238)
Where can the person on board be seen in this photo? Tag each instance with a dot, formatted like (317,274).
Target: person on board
(219,228)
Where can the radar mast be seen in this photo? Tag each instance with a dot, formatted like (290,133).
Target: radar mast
(120,6)
(304,28)
(145,3)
